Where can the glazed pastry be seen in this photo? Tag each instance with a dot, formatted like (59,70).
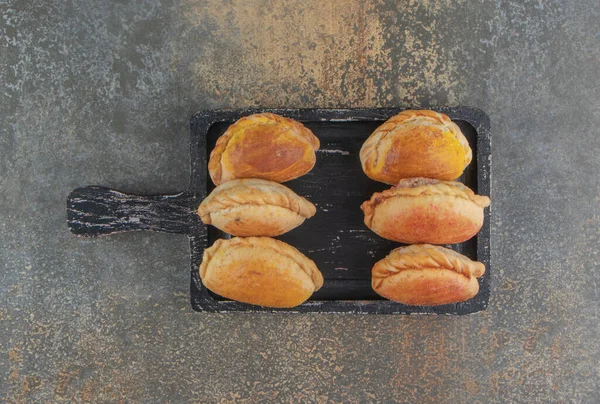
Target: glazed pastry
(254,207)
(259,270)
(426,275)
(421,210)
(415,144)
(266,146)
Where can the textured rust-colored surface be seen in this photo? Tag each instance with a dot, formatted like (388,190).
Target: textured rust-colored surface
(101,92)
(327,54)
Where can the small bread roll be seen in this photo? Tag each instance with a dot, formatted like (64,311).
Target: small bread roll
(421,210)
(426,275)
(259,270)
(415,144)
(253,207)
(266,146)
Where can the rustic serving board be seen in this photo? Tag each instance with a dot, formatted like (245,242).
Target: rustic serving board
(336,238)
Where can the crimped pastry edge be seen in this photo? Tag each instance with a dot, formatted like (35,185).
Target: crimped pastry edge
(415,187)
(230,194)
(422,256)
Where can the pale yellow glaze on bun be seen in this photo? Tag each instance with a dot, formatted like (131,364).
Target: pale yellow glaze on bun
(415,144)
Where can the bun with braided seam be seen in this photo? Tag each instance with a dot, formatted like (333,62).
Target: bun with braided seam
(422,210)
(426,275)
(254,207)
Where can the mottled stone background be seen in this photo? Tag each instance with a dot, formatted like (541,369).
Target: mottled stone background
(100,92)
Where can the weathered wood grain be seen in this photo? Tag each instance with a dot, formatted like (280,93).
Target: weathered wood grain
(97,211)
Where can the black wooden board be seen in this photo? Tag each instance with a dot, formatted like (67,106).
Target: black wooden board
(336,238)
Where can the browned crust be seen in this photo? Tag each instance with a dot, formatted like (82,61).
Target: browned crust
(404,118)
(415,143)
(295,128)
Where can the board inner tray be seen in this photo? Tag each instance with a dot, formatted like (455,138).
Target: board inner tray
(336,238)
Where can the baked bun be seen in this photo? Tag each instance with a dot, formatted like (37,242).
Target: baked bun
(254,207)
(426,275)
(266,146)
(421,210)
(259,270)
(415,144)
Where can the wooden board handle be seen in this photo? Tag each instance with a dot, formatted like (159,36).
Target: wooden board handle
(97,211)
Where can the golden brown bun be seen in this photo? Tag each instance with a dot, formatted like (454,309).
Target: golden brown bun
(254,207)
(415,144)
(266,146)
(421,210)
(426,275)
(259,270)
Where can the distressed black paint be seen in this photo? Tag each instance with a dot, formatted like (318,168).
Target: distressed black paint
(98,211)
